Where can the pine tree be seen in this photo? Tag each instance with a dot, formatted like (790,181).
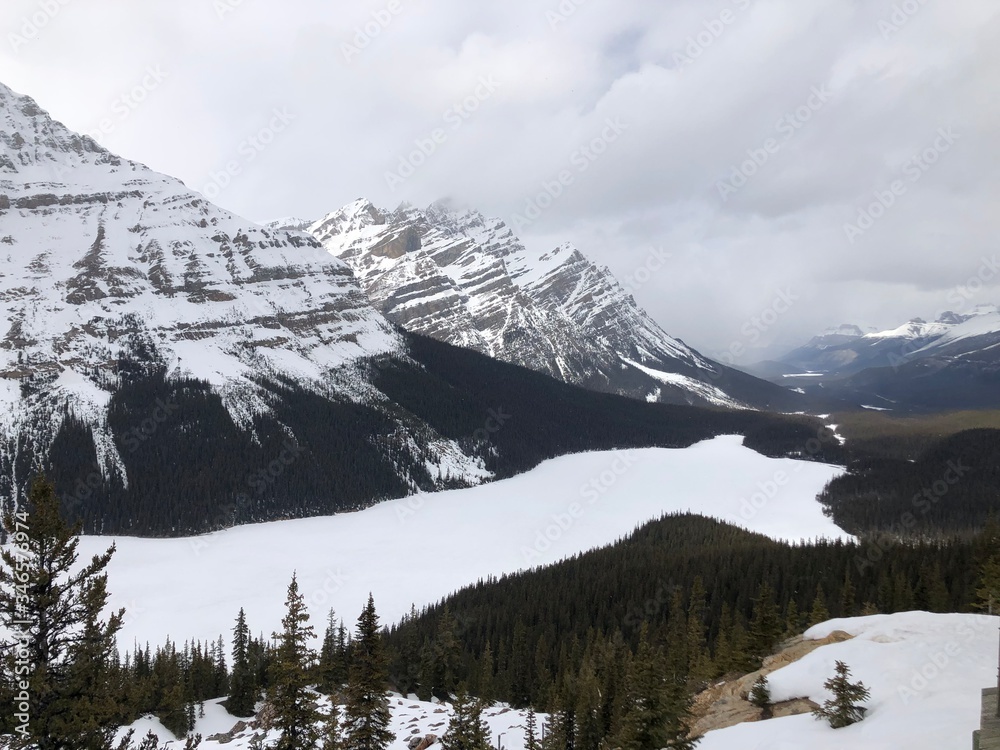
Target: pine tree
(819,611)
(656,710)
(367,714)
(560,729)
(466,729)
(765,624)
(54,608)
(847,596)
(933,592)
(760,696)
(700,667)
(844,708)
(587,713)
(486,669)
(243,689)
(447,657)
(331,736)
(329,656)
(531,730)
(295,709)
(988,591)
(793,620)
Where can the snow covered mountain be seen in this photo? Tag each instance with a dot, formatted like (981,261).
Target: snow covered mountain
(115,276)
(468,280)
(951,362)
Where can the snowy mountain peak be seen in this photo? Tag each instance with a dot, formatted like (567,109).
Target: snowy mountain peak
(844,329)
(103,262)
(37,148)
(451,273)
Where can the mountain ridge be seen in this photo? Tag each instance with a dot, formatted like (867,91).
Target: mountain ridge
(458,276)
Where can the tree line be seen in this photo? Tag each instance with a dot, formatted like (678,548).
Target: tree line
(192,469)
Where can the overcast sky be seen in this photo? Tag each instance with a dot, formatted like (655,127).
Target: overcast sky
(716,154)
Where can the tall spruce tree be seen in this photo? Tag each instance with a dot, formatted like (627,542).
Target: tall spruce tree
(531,741)
(819,612)
(329,656)
(242,685)
(295,709)
(54,609)
(765,624)
(366,716)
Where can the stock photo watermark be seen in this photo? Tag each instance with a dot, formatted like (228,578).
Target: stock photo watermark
(365,34)
(885,199)
(249,149)
(32,24)
(580,160)
(128,102)
(711,32)
(454,118)
(788,125)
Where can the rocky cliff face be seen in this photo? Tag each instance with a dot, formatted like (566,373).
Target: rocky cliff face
(468,280)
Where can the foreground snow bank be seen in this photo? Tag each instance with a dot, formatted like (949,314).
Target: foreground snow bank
(925,672)
(419,549)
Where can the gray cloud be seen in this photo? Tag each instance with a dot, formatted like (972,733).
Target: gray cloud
(698,88)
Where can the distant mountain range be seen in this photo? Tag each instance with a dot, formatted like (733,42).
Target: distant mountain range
(952,362)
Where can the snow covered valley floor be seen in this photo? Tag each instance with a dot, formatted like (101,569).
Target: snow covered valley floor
(925,672)
(419,549)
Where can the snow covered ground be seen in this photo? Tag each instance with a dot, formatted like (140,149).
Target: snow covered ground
(419,549)
(925,672)
(409,717)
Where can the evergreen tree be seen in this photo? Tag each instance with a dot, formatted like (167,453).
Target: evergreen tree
(793,620)
(655,715)
(844,708)
(295,709)
(331,736)
(486,668)
(765,625)
(819,611)
(700,667)
(367,714)
(587,713)
(243,688)
(447,657)
(847,596)
(988,591)
(932,591)
(466,729)
(760,696)
(330,656)
(54,608)
(531,730)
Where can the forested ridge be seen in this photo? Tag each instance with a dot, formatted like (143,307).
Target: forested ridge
(190,468)
(950,486)
(715,597)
